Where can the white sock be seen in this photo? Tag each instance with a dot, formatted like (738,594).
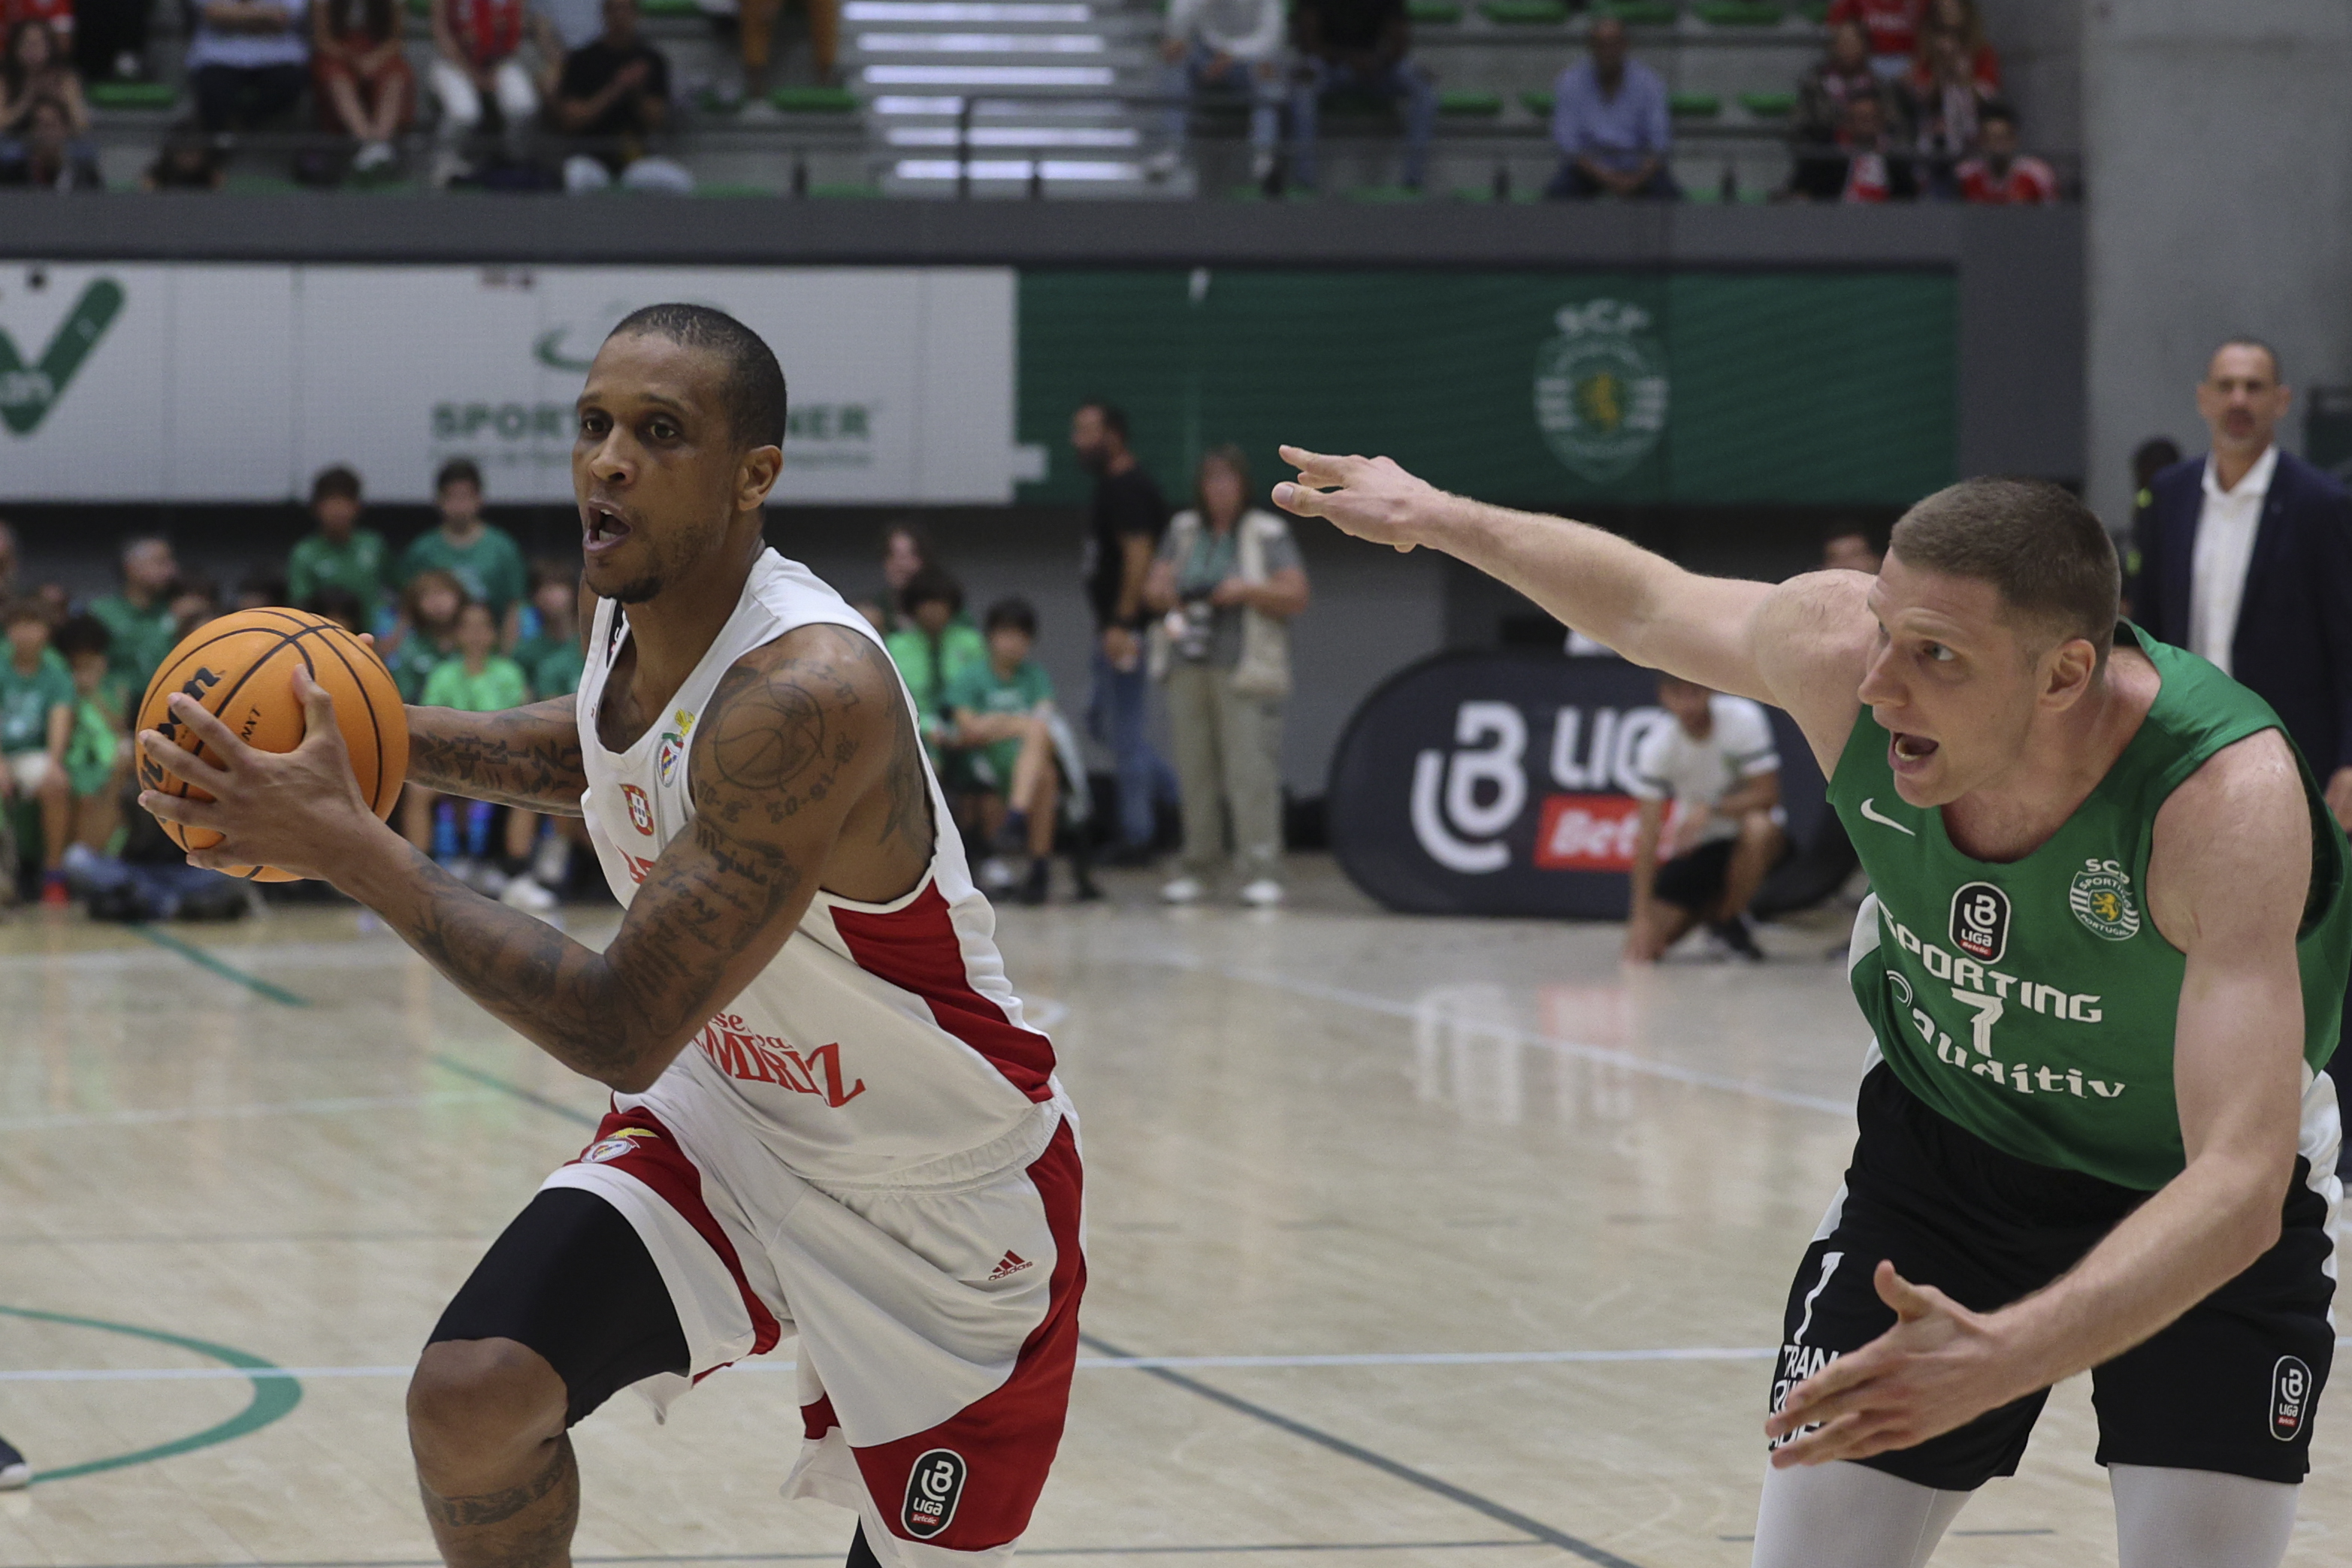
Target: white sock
(1843,1515)
(2199,1519)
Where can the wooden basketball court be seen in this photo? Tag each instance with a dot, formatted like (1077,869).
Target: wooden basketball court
(1442,1242)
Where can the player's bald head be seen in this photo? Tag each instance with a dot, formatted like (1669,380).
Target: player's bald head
(751,383)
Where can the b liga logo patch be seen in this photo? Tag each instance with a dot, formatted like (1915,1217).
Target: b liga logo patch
(932,1487)
(1980,922)
(2290,1398)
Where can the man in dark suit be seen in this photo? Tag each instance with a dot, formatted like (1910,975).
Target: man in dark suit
(2245,558)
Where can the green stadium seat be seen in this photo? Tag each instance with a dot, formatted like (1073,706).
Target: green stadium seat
(1536,103)
(131,94)
(669,7)
(1469,101)
(844,191)
(1694,105)
(1740,12)
(1637,13)
(1524,12)
(1769,105)
(815,100)
(1433,13)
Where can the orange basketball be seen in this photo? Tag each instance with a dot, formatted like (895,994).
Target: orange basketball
(241,667)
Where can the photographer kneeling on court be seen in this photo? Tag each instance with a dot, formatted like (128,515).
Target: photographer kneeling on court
(1718,761)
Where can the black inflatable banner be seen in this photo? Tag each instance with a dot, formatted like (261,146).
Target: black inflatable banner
(1499,783)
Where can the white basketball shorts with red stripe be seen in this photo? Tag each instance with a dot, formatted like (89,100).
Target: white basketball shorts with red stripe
(938,1327)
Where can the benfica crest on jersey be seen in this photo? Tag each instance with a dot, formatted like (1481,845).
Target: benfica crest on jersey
(641,811)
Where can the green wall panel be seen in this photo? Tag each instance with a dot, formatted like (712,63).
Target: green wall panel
(1534,388)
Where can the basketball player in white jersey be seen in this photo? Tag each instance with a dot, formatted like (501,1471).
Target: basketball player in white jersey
(828,1116)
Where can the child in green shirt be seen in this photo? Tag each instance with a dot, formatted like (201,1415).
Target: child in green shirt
(98,745)
(36,699)
(937,646)
(476,679)
(1000,719)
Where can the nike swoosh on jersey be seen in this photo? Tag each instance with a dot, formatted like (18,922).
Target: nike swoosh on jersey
(1883,821)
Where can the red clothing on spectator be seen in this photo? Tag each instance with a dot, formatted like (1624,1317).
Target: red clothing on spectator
(1892,25)
(2027,182)
(392,72)
(57,13)
(488,30)
(1985,67)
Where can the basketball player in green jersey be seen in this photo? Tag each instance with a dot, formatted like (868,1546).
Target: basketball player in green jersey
(2105,954)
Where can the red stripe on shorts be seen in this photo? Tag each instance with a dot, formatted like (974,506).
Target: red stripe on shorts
(1006,1438)
(917,949)
(661,1165)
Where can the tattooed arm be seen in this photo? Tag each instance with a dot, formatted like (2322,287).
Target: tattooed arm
(526,756)
(803,770)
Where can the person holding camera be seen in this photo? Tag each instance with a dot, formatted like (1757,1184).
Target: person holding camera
(1225,583)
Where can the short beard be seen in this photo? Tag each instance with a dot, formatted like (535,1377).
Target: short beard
(640,591)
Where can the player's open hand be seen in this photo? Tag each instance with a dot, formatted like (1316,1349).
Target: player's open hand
(1940,1367)
(1370,498)
(293,810)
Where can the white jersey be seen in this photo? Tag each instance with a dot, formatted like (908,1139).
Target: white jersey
(1673,764)
(882,1045)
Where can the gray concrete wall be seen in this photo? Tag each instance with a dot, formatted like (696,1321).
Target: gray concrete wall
(2220,200)
(2041,44)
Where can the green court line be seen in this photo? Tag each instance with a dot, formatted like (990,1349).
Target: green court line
(448,1063)
(275,1395)
(203,958)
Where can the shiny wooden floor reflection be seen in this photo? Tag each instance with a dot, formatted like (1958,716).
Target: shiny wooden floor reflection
(1503,1228)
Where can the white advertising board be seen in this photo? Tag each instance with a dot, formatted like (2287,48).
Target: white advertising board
(224,383)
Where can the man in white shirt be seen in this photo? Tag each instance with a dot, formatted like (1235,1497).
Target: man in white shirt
(2241,400)
(1719,763)
(1222,43)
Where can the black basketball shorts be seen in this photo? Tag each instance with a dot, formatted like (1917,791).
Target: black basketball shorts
(2230,1385)
(1695,881)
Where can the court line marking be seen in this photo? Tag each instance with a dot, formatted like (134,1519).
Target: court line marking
(205,958)
(326,1107)
(274,1395)
(1085,1363)
(1508,1517)
(1599,1055)
(835,1556)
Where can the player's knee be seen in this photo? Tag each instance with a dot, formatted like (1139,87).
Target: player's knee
(476,1400)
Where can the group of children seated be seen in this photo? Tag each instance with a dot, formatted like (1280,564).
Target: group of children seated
(1006,758)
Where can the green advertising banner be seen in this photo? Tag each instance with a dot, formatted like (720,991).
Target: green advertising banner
(1538,389)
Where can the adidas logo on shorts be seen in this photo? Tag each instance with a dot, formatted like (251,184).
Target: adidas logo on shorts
(1011,1263)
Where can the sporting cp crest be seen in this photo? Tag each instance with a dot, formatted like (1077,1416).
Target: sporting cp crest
(2101,899)
(1601,389)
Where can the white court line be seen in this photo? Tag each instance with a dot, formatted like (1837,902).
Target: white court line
(235,1112)
(1593,1053)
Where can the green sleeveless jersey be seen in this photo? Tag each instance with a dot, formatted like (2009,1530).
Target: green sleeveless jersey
(2033,1002)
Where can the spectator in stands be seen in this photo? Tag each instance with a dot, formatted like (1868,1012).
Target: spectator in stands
(482,557)
(1836,80)
(933,651)
(1001,720)
(1947,110)
(258,589)
(34,68)
(426,634)
(1124,525)
(1361,44)
(1893,27)
(195,599)
(1999,175)
(1231,43)
(248,61)
(476,678)
(616,91)
(1957,21)
(342,606)
(186,161)
(98,754)
(37,701)
(140,617)
(57,15)
(340,554)
(905,549)
(550,651)
(46,156)
(1718,762)
(1226,583)
(8,562)
(757,28)
(1863,164)
(365,86)
(1609,120)
(477,70)
(1852,549)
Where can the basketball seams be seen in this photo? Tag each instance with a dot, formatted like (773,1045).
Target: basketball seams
(277,640)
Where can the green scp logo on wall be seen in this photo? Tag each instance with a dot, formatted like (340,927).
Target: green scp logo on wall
(1601,389)
(27,393)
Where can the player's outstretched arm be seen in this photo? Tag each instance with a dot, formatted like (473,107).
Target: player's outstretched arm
(1802,646)
(797,735)
(2231,856)
(526,756)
